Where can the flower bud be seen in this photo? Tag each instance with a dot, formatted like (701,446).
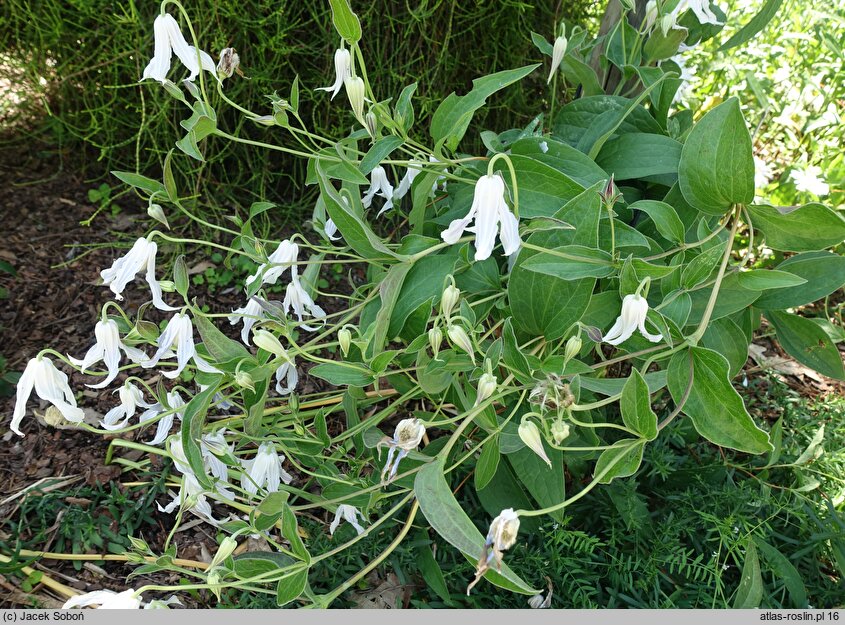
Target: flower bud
(371,123)
(227,546)
(168,286)
(228,64)
(459,338)
(449,299)
(487,385)
(269,343)
(573,347)
(355,93)
(650,14)
(667,23)
(610,193)
(344,339)
(560,431)
(435,338)
(157,212)
(244,380)
(558,52)
(293,403)
(530,435)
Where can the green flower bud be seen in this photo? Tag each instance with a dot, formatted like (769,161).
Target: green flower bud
(449,299)
(435,338)
(487,385)
(227,546)
(157,212)
(573,348)
(355,93)
(560,431)
(244,380)
(530,435)
(344,339)
(459,338)
(269,343)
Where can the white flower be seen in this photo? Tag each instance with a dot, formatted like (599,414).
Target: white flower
(297,298)
(169,39)
(107,348)
(342,69)
(287,372)
(650,15)
(762,173)
(249,314)
(379,185)
(264,470)
(488,210)
(175,405)
(558,52)
(192,496)
(283,258)
(500,537)
(130,398)
(142,254)
(106,600)
(701,9)
(349,514)
(407,180)
(179,331)
(406,438)
(632,318)
(51,385)
(330,228)
(809,180)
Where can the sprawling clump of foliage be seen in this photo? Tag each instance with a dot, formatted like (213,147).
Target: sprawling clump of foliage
(519,329)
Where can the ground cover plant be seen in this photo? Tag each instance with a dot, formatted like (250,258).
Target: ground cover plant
(517,330)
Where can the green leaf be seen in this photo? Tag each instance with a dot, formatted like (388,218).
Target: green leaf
(798,229)
(665,219)
(153,187)
(380,151)
(221,348)
(345,21)
(356,232)
(571,162)
(576,118)
(577,72)
(389,290)
(290,587)
(655,380)
(180,275)
(546,485)
(786,571)
(513,356)
(343,374)
(764,279)
(732,298)
(702,266)
(169,181)
(449,520)
(716,168)
(727,338)
(404,109)
(749,594)
(622,459)
(808,343)
(451,119)
(290,531)
(193,420)
(543,190)
(823,271)
(487,463)
(429,568)
(254,563)
(754,25)
(635,404)
(640,155)
(715,408)
(579,262)
(423,282)
(662,46)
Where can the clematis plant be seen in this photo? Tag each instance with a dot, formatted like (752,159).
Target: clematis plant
(464,314)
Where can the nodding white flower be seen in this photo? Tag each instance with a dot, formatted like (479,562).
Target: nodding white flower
(632,318)
(650,14)
(297,298)
(249,315)
(130,398)
(558,52)
(287,372)
(175,408)
(283,258)
(107,348)
(355,92)
(701,8)
(488,210)
(379,185)
(342,69)
(179,331)
(169,40)
(49,384)
(106,600)
(406,438)
(407,180)
(500,537)
(264,470)
(123,270)
(228,63)
(810,180)
(349,514)
(330,228)
(192,495)
(211,446)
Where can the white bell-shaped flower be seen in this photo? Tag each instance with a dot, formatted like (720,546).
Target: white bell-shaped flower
(632,318)
(488,210)
(49,384)
(297,299)
(249,315)
(412,172)
(349,514)
(174,408)
(131,397)
(282,259)
(107,348)
(379,185)
(106,600)
(122,272)
(179,332)
(342,69)
(286,372)
(169,40)
(701,8)
(264,471)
